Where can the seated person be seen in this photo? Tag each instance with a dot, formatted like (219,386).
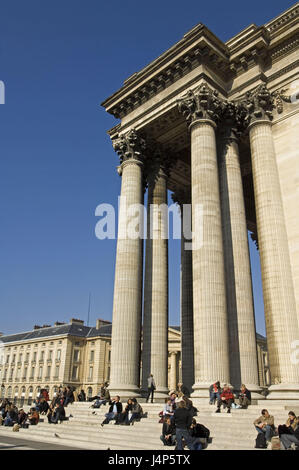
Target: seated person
(43,406)
(226,399)
(102,399)
(168,433)
(265,424)
(173,396)
(122,418)
(22,417)
(58,414)
(136,412)
(33,416)
(69,396)
(289,433)
(11,416)
(244,397)
(200,434)
(82,396)
(290,425)
(168,409)
(215,392)
(114,411)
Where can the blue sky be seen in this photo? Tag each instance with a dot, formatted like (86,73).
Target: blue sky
(59,60)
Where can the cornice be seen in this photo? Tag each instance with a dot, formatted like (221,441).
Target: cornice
(252,46)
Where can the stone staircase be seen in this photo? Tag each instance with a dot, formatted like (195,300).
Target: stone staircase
(233,431)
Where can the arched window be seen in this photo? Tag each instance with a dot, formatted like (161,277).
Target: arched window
(16,391)
(38,392)
(30,391)
(3,392)
(9,392)
(89,392)
(23,391)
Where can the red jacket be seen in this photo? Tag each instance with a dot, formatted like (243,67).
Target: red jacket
(228,395)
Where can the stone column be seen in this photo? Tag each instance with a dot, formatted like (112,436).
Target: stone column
(211,357)
(155,321)
(241,322)
(183,198)
(127,302)
(278,289)
(173,371)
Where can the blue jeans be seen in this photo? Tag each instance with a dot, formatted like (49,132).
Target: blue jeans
(214,396)
(287,439)
(267,430)
(183,433)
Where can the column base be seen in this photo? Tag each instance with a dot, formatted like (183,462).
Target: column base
(124,391)
(201,390)
(283,392)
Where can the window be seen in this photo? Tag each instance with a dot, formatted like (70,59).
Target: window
(40,372)
(7,359)
(50,354)
(25,372)
(11,372)
(32,372)
(4,374)
(18,373)
(58,354)
(74,372)
(76,355)
(34,356)
(91,356)
(27,357)
(57,371)
(13,359)
(90,373)
(20,357)
(42,355)
(48,371)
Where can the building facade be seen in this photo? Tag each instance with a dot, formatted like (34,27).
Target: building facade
(76,355)
(216,124)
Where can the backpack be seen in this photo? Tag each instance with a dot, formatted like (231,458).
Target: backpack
(203,431)
(260,442)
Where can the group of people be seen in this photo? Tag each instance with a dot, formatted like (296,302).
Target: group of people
(288,433)
(11,416)
(102,397)
(123,416)
(226,398)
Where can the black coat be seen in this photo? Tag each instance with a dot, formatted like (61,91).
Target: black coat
(118,406)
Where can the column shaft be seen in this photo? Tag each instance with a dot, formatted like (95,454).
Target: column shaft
(155,322)
(241,323)
(173,371)
(211,358)
(278,289)
(187,338)
(127,304)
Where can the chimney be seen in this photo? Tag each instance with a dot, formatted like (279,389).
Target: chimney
(37,327)
(101,323)
(58,323)
(76,321)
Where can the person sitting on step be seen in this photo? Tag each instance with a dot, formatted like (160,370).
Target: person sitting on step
(226,399)
(265,424)
(114,412)
(168,433)
(244,397)
(289,433)
(135,413)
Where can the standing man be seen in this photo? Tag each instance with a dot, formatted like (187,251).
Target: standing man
(182,421)
(151,387)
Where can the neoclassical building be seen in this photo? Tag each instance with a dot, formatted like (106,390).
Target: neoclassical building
(77,355)
(216,123)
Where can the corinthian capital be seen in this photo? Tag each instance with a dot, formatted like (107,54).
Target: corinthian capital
(257,105)
(201,103)
(130,145)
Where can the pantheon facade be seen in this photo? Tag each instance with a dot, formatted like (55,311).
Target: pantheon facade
(216,123)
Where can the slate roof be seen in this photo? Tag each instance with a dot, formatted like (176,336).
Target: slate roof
(72,330)
(67,329)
